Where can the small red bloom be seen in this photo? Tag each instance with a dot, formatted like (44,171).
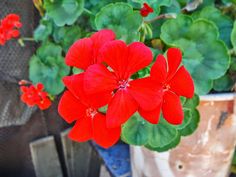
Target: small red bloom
(35,96)
(176,82)
(9,27)
(146,10)
(84,52)
(128,95)
(76,105)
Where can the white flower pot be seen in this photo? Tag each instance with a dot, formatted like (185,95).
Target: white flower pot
(206,153)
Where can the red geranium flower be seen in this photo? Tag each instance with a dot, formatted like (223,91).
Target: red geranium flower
(9,28)
(128,95)
(146,10)
(176,81)
(84,52)
(35,96)
(76,105)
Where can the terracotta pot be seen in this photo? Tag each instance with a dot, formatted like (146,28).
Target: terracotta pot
(206,153)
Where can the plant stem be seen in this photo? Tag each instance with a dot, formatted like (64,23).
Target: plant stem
(27,38)
(162,16)
(88,12)
(21,40)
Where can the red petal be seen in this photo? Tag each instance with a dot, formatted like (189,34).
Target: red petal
(75,84)
(70,108)
(151,116)
(114,53)
(174,57)
(80,54)
(139,56)
(44,104)
(159,69)
(100,38)
(104,136)
(82,130)
(120,109)
(99,79)
(147,94)
(172,108)
(182,83)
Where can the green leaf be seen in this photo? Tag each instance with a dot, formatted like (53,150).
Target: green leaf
(162,134)
(173,7)
(192,125)
(223,22)
(77,70)
(224,83)
(136,130)
(66,36)
(44,30)
(172,144)
(186,121)
(48,67)
(122,19)
(95,5)
(233,36)
(192,103)
(64,12)
(203,52)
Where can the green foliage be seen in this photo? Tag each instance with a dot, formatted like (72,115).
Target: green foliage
(206,35)
(224,83)
(204,53)
(121,18)
(162,136)
(64,12)
(223,22)
(44,30)
(233,36)
(66,36)
(48,67)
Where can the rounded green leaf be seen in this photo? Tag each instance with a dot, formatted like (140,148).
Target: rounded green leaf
(64,12)
(48,67)
(136,130)
(203,52)
(44,30)
(122,19)
(162,134)
(66,36)
(224,83)
(192,125)
(223,22)
(173,143)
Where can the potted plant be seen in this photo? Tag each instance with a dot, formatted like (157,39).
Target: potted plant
(136,65)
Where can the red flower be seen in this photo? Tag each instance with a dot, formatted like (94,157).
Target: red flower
(76,105)
(128,95)
(35,96)
(9,28)
(84,52)
(146,10)
(176,82)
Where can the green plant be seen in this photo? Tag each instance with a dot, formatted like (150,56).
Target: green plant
(205,33)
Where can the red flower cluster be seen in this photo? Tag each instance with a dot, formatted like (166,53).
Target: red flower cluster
(9,28)
(109,65)
(34,95)
(175,82)
(146,10)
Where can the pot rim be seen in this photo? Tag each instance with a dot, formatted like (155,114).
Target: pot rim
(218,97)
